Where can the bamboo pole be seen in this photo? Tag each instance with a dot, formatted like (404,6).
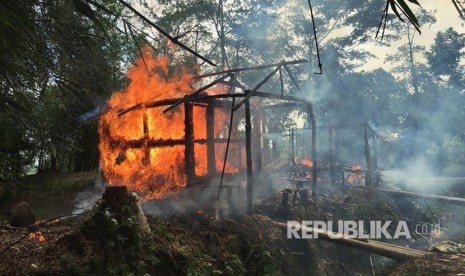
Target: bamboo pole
(380,248)
(449,199)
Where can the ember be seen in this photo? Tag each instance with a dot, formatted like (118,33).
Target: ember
(37,236)
(356,176)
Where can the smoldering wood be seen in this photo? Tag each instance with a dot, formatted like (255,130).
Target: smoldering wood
(248,153)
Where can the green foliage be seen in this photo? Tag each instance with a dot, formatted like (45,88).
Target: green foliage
(445,56)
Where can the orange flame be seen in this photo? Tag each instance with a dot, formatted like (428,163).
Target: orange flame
(36,236)
(357,176)
(153,170)
(307,162)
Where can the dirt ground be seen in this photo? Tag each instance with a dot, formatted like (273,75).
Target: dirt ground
(204,242)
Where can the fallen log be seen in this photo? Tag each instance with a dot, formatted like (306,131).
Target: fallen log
(381,248)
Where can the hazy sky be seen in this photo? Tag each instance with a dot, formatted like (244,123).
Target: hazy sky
(446,16)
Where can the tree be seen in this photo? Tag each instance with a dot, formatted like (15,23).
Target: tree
(445,56)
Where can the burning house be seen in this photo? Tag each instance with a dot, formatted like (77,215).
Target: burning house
(161,134)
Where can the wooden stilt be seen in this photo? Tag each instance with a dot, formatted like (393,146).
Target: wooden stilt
(257,143)
(210,120)
(189,157)
(369,170)
(312,121)
(332,171)
(146,159)
(248,152)
(292,146)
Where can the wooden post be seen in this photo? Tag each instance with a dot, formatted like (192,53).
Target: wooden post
(257,142)
(369,170)
(239,156)
(375,153)
(248,153)
(146,159)
(189,158)
(312,122)
(292,146)
(332,173)
(376,176)
(230,197)
(210,120)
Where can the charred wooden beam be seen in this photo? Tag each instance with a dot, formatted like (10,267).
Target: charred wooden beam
(210,98)
(293,62)
(282,105)
(251,93)
(188,98)
(154,143)
(248,153)
(210,121)
(278,97)
(189,154)
(153,104)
